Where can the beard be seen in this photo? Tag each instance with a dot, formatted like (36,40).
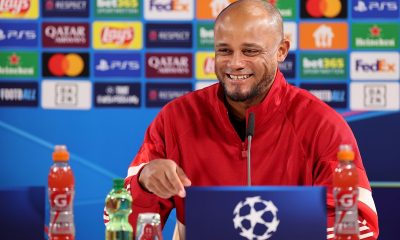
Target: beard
(257,89)
(238,96)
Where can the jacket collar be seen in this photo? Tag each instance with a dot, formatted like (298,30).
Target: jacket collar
(267,108)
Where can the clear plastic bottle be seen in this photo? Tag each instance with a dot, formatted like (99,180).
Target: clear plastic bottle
(118,207)
(345,192)
(61,189)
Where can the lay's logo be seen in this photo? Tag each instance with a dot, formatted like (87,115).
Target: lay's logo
(19,9)
(169,9)
(117,35)
(205,69)
(326,35)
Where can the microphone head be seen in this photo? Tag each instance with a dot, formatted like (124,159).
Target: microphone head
(250,125)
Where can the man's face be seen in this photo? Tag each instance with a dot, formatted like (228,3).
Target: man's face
(245,56)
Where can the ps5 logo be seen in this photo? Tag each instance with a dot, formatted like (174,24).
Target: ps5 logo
(18,34)
(104,65)
(375,5)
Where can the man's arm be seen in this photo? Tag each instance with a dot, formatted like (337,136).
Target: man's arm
(152,179)
(326,149)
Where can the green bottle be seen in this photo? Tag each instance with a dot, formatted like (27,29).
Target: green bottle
(118,207)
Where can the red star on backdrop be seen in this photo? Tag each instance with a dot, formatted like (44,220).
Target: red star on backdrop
(14,59)
(375,31)
(273,2)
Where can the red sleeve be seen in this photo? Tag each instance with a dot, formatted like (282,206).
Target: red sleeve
(328,141)
(152,148)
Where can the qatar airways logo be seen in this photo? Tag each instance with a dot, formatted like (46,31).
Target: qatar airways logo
(65,34)
(118,36)
(177,65)
(14,6)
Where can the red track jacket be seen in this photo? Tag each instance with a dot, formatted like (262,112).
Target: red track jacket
(295,143)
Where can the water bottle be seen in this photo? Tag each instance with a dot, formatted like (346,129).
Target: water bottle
(61,194)
(345,192)
(118,207)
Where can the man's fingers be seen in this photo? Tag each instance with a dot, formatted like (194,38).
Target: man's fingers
(182,176)
(163,190)
(164,178)
(175,182)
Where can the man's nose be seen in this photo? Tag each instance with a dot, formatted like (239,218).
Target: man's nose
(236,61)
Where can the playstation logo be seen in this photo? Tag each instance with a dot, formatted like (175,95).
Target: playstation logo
(103,65)
(361,7)
(2,35)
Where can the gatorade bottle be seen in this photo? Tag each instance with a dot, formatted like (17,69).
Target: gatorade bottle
(118,207)
(345,192)
(61,195)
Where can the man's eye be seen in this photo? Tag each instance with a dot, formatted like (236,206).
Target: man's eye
(250,52)
(223,51)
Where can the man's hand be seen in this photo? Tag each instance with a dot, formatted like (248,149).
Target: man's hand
(164,178)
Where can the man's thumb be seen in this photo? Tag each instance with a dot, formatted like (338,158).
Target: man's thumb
(182,176)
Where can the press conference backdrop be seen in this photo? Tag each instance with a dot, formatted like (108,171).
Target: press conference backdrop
(93,75)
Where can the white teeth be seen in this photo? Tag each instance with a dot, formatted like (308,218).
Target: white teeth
(238,77)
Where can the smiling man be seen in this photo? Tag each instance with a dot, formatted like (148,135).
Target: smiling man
(199,139)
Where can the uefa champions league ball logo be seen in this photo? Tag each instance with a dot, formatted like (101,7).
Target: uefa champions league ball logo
(255,218)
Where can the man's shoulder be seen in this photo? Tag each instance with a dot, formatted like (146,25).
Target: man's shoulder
(303,104)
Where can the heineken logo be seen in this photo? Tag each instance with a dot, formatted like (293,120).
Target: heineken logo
(369,36)
(18,64)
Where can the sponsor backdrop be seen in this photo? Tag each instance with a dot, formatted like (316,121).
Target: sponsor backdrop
(93,74)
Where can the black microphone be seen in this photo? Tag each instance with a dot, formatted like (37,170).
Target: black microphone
(249,134)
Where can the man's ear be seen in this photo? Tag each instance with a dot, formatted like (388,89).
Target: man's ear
(283,50)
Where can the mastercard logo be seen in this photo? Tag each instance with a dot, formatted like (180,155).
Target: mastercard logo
(65,64)
(323,8)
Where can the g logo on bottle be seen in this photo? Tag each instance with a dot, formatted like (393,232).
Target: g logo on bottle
(60,200)
(347,199)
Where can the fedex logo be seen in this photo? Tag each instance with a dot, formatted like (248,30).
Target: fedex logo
(374,65)
(18,35)
(379,66)
(172,5)
(375,8)
(169,9)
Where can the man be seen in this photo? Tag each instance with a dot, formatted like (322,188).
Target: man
(199,139)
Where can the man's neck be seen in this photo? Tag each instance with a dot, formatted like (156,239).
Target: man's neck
(238,109)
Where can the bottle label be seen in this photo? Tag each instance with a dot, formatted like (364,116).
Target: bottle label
(347,198)
(148,227)
(346,220)
(61,200)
